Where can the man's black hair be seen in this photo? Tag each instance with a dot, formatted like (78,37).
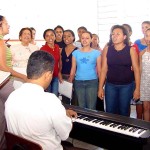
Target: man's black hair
(39,62)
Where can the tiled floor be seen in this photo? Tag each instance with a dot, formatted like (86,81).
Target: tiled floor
(84,145)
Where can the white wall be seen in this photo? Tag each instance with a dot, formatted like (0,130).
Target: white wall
(97,15)
(111,12)
(48,14)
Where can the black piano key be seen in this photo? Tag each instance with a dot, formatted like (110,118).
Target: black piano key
(94,121)
(84,118)
(106,122)
(135,129)
(112,125)
(101,122)
(123,127)
(141,130)
(120,127)
(115,125)
(89,119)
(97,120)
(126,127)
(81,117)
(131,129)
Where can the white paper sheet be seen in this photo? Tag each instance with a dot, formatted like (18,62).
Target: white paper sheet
(65,88)
(3,76)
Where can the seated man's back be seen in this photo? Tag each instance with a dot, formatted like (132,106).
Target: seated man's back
(34,114)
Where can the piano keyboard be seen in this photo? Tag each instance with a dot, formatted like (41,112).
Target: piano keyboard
(106,130)
(109,125)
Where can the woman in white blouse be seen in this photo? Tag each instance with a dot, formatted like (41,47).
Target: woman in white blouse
(21,53)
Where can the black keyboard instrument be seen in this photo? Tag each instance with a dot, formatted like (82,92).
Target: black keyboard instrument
(109,131)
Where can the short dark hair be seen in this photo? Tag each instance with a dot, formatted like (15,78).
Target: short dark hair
(59,27)
(146,22)
(47,31)
(32,28)
(82,27)
(1,19)
(39,62)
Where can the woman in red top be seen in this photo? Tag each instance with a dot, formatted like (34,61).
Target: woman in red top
(53,49)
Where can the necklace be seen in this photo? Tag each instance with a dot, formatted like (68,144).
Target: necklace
(68,52)
(67,60)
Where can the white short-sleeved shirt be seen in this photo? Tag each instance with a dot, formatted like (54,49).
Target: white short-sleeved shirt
(37,115)
(77,44)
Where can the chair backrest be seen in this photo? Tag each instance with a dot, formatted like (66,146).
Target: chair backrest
(15,142)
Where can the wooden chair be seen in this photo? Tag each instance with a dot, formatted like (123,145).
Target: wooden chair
(15,142)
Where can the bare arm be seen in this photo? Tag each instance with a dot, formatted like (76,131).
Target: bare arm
(3,65)
(103,73)
(73,70)
(136,68)
(99,59)
(60,67)
(140,60)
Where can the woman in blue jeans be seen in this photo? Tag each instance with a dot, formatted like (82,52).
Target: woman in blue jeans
(118,62)
(86,65)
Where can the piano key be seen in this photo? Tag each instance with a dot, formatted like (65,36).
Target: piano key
(135,129)
(114,125)
(81,116)
(140,131)
(89,119)
(96,120)
(131,129)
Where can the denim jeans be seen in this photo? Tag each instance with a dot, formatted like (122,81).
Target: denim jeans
(86,91)
(118,97)
(53,87)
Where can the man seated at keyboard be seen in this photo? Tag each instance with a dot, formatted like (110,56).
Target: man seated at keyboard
(37,115)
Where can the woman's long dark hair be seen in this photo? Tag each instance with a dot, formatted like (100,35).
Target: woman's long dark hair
(126,40)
